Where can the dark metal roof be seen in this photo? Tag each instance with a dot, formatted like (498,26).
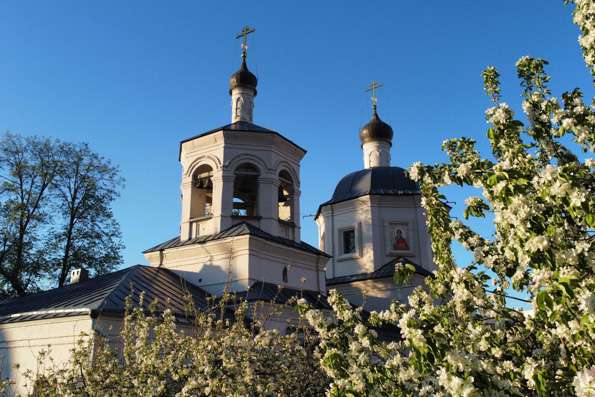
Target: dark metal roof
(107,294)
(239,229)
(382,181)
(376,130)
(240,126)
(386,270)
(243,78)
(263,291)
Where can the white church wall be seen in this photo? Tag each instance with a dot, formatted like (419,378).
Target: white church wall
(21,343)
(235,263)
(377,294)
(336,218)
(374,218)
(213,266)
(207,150)
(268,259)
(406,213)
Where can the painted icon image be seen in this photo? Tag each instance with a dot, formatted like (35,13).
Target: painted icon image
(400,242)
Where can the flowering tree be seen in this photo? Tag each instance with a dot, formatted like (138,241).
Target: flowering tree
(459,337)
(216,354)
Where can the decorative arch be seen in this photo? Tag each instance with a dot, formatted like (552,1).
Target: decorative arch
(207,159)
(283,165)
(201,191)
(245,189)
(285,196)
(247,158)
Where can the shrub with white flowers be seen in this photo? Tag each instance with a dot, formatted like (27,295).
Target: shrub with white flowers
(216,354)
(459,337)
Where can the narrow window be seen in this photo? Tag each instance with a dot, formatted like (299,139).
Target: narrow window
(348,241)
(285,197)
(285,278)
(245,191)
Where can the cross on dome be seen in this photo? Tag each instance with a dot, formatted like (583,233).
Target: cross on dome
(373,87)
(246,30)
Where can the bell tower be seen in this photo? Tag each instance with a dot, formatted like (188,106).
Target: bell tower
(240,172)
(240,218)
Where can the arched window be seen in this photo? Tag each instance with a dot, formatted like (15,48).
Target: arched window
(285,277)
(201,199)
(285,196)
(245,190)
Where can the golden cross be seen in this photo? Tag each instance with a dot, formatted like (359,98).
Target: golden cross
(246,30)
(373,86)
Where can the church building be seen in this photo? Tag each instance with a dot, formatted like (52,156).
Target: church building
(373,221)
(240,232)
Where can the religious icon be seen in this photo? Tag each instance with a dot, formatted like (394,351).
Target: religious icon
(399,241)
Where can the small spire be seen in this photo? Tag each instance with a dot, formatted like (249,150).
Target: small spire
(246,30)
(372,87)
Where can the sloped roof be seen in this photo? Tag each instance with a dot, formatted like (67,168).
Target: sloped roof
(106,294)
(386,270)
(263,291)
(244,126)
(239,229)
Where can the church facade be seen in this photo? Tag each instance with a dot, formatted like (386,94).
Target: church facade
(240,232)
(373,221)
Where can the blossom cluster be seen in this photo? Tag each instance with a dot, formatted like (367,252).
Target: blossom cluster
(458,334)
(216,352)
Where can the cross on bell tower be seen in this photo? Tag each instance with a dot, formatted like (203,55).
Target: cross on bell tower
(373,87)
(246,30)
(242,84)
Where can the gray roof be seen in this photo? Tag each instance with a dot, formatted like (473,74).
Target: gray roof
(386,270)
(244,126)
(107,294)
(239,229)
(263,291)
(380,181)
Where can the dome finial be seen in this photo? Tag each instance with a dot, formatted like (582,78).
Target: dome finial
(372,87)
(242,84)
(376,136)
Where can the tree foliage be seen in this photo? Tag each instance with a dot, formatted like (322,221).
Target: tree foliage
(55,212)
(459,337)
(216,354)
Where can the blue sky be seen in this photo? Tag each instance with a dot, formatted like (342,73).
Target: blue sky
(134,78)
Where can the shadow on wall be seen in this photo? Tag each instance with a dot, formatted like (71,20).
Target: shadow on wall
(8,366)
(378,294)
(212,278)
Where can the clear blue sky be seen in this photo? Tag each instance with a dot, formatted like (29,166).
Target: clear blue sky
(133,78)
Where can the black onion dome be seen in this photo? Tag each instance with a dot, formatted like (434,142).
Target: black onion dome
(243,78)
(376,130)
(387,181)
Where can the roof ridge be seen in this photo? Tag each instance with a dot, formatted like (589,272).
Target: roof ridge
(240,228)
(124,277)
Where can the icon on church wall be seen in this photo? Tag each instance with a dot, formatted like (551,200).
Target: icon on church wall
(400,238)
